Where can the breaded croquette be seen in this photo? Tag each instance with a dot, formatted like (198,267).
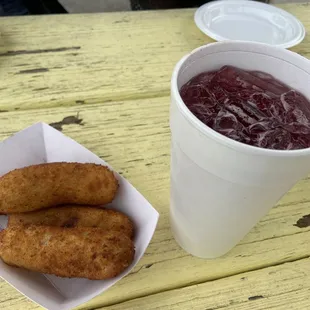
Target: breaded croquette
(91,253)
(76,216)
(52,184)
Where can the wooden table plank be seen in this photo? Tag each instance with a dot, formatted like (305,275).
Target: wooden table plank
(49,61)
(91,58)
(11,299)
(133,136)
(40,69)
(278,288)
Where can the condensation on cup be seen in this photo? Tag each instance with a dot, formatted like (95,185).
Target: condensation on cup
(221,188)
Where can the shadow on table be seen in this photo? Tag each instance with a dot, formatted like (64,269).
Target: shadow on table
(169,4)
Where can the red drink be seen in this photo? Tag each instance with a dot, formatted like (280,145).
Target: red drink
(250,107)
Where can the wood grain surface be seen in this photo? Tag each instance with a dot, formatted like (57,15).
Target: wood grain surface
(103,80)
(280,287)
(52,61)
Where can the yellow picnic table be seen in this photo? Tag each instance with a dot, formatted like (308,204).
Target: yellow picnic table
(103,79)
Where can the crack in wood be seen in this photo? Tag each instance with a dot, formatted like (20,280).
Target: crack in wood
(256,297)
(37,70)
(39,51)
(269,238)
(39,89)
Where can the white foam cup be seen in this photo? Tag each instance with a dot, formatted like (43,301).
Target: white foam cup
(221,188)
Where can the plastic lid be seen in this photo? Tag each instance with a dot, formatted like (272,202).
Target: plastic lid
(249,21)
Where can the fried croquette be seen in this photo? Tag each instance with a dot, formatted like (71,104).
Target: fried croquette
(48,185)
(91,253)
(76,216)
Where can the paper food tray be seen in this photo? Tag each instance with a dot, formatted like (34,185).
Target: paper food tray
(41,143)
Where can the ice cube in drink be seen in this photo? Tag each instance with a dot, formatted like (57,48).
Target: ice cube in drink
(251,107)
